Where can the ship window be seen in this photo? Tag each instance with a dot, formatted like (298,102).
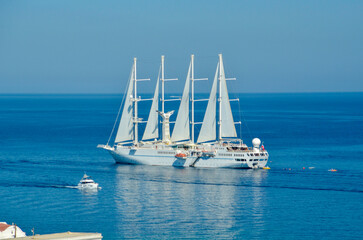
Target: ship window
(256,154)
(165,152)
(255,160)
(262,159)
(251,160)
(225,154)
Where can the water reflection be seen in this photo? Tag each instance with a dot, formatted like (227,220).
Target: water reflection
(167,202)
(88,192)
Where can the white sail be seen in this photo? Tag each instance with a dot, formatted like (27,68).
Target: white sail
(181,129)
(227,124)
(208,130)
(125,130)
(151,129)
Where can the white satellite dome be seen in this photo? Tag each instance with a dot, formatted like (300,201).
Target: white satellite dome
(256,142)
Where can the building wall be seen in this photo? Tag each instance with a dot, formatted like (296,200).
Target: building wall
(10,232)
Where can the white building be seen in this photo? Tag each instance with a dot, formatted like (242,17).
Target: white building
(10,231)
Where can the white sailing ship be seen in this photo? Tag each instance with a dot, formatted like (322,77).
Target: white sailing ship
(180,149)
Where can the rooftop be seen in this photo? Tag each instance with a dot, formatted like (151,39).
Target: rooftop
(3,226)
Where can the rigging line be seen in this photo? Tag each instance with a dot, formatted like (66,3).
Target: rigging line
(244,120)
(122,102)
(239,116)
(237,96)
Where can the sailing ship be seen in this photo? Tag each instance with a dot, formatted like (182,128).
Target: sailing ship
(179,149)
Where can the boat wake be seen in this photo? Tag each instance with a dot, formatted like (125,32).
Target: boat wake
(76,187)
(35,185)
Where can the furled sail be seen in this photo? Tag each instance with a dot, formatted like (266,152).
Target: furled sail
(227,124)
(125,130)
(181,129)
(151,129)
(208,130)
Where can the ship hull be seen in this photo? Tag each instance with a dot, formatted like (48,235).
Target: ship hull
(167,158)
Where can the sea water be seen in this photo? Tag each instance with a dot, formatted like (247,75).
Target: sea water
(47,143)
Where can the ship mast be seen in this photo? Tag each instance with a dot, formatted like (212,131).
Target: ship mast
(230,131)
(192,79)
(163,80)
(163,100)
(136,126)
(162,83)
(136,99)
(192,98)
(219,98)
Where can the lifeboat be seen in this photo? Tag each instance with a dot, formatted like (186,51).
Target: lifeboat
(181,156)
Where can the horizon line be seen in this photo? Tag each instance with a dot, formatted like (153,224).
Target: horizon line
(317,92)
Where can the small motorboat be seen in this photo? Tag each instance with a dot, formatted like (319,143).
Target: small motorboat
(88,183)
(332,170)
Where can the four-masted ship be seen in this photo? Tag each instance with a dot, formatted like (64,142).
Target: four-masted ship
(180,149)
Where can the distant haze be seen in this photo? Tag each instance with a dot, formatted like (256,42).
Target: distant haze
(269,46)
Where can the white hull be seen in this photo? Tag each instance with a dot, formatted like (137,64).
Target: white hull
(150,156)
(90,186)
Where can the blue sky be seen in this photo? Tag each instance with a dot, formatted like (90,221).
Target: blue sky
(269,46)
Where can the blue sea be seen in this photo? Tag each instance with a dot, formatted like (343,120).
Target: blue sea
(47,143)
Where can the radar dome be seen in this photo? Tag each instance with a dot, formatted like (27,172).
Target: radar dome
(256,142)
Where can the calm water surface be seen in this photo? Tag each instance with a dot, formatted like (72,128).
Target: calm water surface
(48,142)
